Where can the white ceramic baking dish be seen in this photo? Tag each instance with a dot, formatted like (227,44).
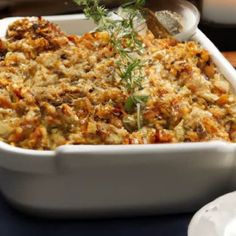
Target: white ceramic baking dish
(111,180)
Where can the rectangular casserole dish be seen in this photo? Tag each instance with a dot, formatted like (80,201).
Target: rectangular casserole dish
(116,180)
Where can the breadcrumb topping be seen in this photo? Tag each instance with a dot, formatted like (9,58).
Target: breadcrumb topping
(58,89)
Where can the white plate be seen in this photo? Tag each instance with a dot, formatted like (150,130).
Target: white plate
(217,218)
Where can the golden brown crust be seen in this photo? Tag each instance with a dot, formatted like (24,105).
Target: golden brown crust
(33,29)
(58,89)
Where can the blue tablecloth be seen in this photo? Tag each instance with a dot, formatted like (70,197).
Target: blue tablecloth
(14,223)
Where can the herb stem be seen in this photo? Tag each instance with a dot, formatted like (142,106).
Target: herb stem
(139,116)
(125,41)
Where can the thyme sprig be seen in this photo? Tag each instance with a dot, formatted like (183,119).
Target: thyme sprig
(125,41)
(128,74)
(93,9)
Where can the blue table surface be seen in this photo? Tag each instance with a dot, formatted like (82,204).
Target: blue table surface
(14,223)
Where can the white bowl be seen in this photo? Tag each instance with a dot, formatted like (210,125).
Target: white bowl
(217,218)
(188,12)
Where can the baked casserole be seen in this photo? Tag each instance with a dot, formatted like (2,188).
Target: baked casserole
(58,89)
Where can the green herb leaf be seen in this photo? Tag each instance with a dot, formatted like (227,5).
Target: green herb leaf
(142,99)
(92,9)
(133,100)
(130,104)
(127,74)
(137,3)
